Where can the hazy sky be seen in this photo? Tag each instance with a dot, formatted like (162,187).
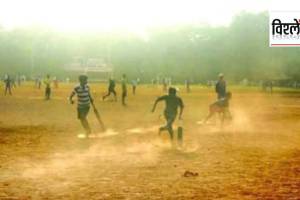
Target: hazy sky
(127,14)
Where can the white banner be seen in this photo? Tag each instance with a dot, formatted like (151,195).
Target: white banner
(284,28)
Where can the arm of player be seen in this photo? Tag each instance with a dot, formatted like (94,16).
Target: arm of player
(180,112)
(181,106)
(91,99)
(71,97)
(157,100)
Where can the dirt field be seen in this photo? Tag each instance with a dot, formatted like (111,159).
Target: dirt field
(256,156)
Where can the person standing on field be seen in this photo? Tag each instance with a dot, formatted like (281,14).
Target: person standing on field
(39,82)
(19,80)
(47,82)
(221,87)
(124,89)
(8,84)
(134,83)
(13,82)
(55,82)
(84,100)
(187,85)
(165,84)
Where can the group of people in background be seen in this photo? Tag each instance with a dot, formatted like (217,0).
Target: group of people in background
(112,90)
(12,82)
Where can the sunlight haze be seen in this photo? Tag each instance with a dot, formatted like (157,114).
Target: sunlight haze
(134,15)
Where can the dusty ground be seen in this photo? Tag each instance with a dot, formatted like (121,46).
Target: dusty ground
(257,156)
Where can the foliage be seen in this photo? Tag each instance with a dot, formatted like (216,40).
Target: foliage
(197,51)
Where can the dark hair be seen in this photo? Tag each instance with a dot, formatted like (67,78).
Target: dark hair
(83,78)
(172,91)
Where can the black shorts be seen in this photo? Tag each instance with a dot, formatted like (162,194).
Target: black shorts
(48,90)
(170,117)
(82,112)
(111,90)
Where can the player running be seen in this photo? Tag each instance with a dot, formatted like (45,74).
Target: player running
(170,113)
(111,89)
(84,99)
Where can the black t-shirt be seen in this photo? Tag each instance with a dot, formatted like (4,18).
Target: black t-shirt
(221,88)
(112,85)
(172,103)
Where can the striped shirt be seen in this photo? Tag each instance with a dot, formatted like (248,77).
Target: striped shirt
(83,95)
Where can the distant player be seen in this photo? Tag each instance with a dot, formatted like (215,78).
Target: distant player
(111,89)
(19,80)
(153,82)
(55,82)
(124,89)
(221,106)
(165,84)
(170,112)
(47,83)
(134,83)
(221,87)
(37,80)
(8,84)
(84,99)
(268,84)
(13,82)
(187,85)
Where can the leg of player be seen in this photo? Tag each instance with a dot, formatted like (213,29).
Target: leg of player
(82,114)
(46,93)
(170,120)
(170,127)
(49,94)
(211,114)
(86,126)
(115,94)
(103,98)
(222,116)
(163,128)
(228,114)
(123,98)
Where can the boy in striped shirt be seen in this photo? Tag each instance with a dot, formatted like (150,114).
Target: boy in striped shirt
(84,99)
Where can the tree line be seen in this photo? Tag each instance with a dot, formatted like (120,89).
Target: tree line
(195,51)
